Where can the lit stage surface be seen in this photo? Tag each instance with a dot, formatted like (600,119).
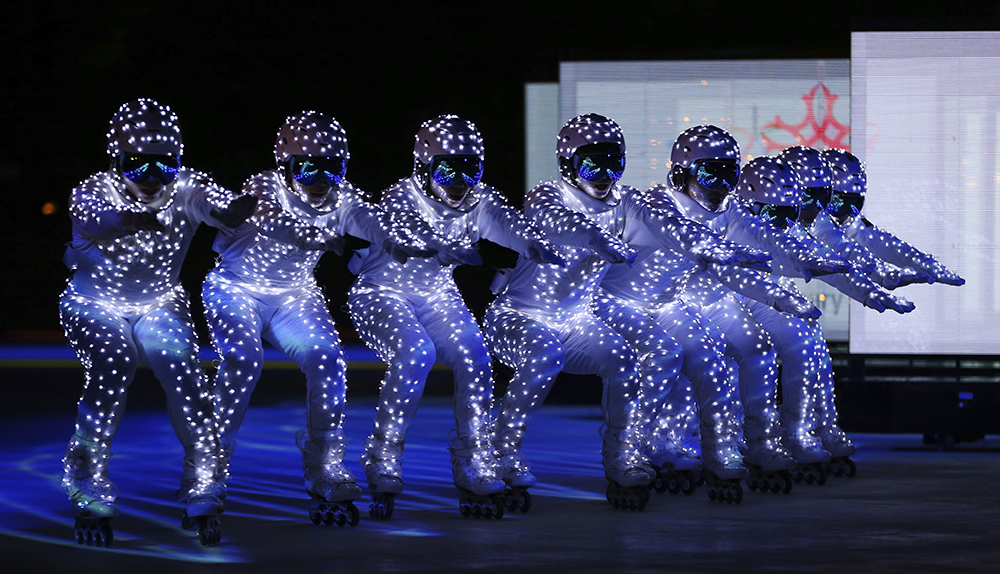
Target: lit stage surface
(909,509)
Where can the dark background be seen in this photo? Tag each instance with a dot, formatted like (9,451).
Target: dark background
(233,72)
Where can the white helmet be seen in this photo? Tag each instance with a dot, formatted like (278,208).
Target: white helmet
(816,177)
(704,142)
(850,182)
(144,126)
(447,135)
(588,129)
(771,189)
(310,134)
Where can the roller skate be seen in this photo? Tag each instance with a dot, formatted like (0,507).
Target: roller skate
(840,447)
(202,493)
(678,469)
(93,495)
(723,469)
(329,483)
(473,465)
(628,482)
(514,470)
(382,462)
(516,474)
(811,459)
(768,462)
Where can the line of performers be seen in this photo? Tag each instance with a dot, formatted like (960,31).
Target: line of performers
(679,297)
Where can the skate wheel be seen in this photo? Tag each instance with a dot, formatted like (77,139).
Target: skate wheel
(643,500)
(712,495)
(354,515)
(798,477)
(689,486)
(188,523)
(738,495)
(341,520)
(315,517)
(837,470)
(660,484)
(787,486)
(821,479)
(329,518)
(465,509)
(810,478)
(209,530)
(752,484)
(852,469)
(525,502)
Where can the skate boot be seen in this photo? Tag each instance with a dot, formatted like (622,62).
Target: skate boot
(628,481)
(202,493)
(382,462)
(474,466)
(329,483)
(768,462)
(723,465)
(677,468)
(93,495)
(840,448)
(812,460)
(514,470)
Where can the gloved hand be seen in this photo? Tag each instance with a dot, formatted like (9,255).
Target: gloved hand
(544,252)
(132,222)
(612,249)
(238,211)
(458,254)
(820,265)
(946,276)
(796,305)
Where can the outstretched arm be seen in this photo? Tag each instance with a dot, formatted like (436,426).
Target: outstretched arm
(504,225)
(546,209)
(654,221)
(898,252)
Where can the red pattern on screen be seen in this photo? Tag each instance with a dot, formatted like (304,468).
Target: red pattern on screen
(810,132)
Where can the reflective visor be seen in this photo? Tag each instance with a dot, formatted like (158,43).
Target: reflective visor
(716,174)
(844,206)
(595,167)
(777,215)
(446,170)
(816,197)
(140,168)
(310,170)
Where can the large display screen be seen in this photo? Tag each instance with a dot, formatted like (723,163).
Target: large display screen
(767,105)
(925,119)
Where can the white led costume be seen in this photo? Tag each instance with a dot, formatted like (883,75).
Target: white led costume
(806,364)
(412,314)
(124,304)
(544,322)
(264,287)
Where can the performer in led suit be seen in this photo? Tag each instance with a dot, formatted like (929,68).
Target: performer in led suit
(264,287)
(412,313)
(831,198)
(543,322)
(771,189)
(132,226)
(643,299)
(850,183)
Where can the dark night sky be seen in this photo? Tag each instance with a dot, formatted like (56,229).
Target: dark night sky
(232,72)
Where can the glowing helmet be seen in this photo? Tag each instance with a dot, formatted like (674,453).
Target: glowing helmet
(145,127)
(448,150)
(592,147)
(816,178)
(849,184)
(310,134)
(711,156)
(771,190)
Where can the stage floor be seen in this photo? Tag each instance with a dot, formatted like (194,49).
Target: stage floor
(910,508)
